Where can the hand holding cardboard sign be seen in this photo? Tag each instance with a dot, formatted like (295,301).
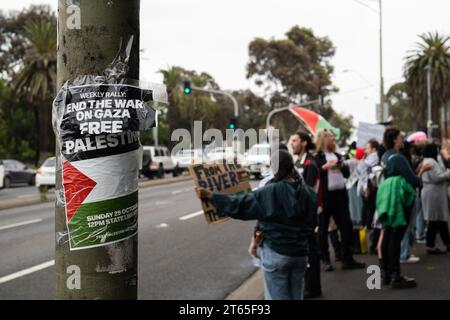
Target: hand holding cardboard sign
(203,193)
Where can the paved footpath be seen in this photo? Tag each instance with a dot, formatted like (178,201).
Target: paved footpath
(432,274)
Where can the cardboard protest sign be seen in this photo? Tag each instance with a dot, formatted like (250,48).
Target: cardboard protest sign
(227,178)
(97,127)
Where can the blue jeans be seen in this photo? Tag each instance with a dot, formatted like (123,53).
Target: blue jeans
(283,275)
(408,238)
(420,220)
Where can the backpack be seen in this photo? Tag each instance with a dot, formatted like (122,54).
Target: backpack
(377,177)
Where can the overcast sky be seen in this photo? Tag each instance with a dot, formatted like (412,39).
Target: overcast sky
(213,36)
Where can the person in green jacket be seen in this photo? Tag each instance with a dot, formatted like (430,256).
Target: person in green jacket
(395,165)
(285,209)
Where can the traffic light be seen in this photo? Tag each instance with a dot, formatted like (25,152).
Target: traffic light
(187,87)
(233,123)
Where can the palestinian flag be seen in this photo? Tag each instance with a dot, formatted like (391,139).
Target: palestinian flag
(101,199)
(314,122)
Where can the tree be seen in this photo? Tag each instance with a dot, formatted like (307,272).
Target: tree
(434,50)
(36,80)
(401,109)
(17,126)
(28,45)
(297,67)
(183,109)
(13,38)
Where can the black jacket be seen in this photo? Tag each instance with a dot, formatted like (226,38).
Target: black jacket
(321,161)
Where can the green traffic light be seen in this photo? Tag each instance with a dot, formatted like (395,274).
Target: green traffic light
(232,126)
(187,90)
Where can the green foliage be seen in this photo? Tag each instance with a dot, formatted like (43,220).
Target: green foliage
(434,50)
(17,127)
(401,108)
(28,64)
(299,64)
(183,110)
(294,69)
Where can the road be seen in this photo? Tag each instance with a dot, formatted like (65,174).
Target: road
(18,191)
(180,256)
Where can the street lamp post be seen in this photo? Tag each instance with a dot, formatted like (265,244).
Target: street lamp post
(224,93)
(380,13)
(382,99)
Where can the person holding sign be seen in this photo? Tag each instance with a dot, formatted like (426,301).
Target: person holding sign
(285,209)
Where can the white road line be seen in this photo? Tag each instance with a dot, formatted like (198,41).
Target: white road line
(177,191)
(20,224)
(192,215)
(25,272)
(162,225)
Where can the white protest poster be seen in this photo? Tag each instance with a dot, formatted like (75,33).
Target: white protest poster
(367,131)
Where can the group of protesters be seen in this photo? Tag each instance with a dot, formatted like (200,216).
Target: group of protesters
(394,190)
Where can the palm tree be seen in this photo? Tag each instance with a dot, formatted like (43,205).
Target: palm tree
(36,79)
(434,50)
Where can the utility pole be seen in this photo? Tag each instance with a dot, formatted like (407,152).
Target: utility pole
(382,99)
(87,47)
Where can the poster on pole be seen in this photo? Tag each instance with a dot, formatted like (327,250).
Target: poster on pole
(367,131)
(97,127)
(227,178)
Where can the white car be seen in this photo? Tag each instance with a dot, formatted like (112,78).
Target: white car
(257,159)
(222,154)
(184,158)
(45,175)
(156,160)
(2,174)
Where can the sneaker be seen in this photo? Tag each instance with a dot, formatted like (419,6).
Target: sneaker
(421,241)
(403,283)
(412,259)
(353,265)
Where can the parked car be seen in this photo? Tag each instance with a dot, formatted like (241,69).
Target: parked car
(45,175)
(257,159)
(222,154)
(184,158)
(2,174)
(157,161)
(17,172)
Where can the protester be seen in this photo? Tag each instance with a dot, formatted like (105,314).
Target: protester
(417,160)
(395,165)
(369,191)
(435,200)
(301,145)
(406,256)
(355,200)
(335,200)
(286,228)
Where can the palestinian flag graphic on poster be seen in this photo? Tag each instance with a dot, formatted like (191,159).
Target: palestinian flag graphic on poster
(98,129)
(101,197)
